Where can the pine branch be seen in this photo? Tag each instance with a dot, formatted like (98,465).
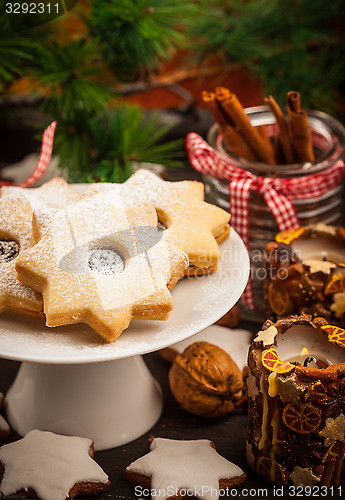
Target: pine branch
(14,52)
(105,147)
(69,75)
(142,33)
(290,44)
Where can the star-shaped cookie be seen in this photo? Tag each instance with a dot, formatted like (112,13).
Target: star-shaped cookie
(56,193)
(101,265)
(193,466)
(192,224)
(15,238)
(52,466)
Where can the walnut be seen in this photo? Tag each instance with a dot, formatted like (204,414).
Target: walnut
(205,380)
(231,319)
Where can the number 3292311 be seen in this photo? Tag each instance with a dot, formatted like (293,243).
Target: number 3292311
(32,8)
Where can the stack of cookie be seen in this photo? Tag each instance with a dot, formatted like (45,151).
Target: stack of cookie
(108,256)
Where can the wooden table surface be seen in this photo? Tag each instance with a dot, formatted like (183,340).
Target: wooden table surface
(227,433)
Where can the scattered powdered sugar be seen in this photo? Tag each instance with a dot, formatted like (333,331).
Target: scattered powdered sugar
(198,302)
(75,293)
(56,193)
(15,224)
(192,224)
(146,187)
(72,231)
(8,250)
(106,261)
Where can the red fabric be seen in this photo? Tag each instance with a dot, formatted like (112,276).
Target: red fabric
(277,192)
(44,159)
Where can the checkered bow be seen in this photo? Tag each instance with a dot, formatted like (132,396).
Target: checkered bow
(43,160)
(278,193)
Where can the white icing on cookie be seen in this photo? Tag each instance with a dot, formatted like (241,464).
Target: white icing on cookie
(267,337)
(49,463)
(193,465)
(317,265)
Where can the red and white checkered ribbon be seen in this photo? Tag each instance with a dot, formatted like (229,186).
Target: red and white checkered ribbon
(44,158)
(277,192)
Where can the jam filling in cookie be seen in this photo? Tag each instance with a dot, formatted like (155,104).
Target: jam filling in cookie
(9,250)
(105,260)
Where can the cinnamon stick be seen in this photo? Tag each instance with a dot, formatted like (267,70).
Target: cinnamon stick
(222,94)
(300,130)
(231,137)
(326,479)
(209,98)
(283,140)
(234,108)
(263,134)
(339,464)
(278,153)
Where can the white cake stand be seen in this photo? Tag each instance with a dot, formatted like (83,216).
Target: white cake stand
(71,383)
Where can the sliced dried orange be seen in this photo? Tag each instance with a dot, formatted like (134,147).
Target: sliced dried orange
(289,235)
(335,334)
(316,390)
(302,418)
(271,471)
(278,299)
(335,285)
(272,362)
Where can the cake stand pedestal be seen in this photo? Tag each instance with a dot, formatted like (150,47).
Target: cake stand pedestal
(71,383)
(114,402)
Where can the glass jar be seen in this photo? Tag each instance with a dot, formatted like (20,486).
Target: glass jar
(328,136)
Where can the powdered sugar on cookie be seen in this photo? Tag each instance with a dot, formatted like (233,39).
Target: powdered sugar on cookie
(59,266)
(56,193)
(192,224)
(16,237)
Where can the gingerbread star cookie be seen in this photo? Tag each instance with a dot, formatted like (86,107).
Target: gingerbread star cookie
(15,238)
(50,467)
(192,467)
(56,193)
(191,224)
(101,265)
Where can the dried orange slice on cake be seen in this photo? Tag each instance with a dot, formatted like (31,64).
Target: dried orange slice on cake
(335,285)
(272,362)
(302,418)
(278,299)
(335,334)
(289,235)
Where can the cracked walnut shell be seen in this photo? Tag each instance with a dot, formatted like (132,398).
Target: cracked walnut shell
(205,380)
